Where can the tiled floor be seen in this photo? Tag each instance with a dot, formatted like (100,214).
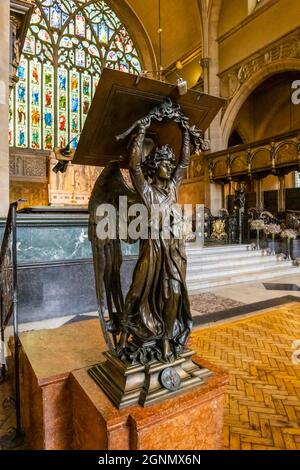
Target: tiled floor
(250,292)
(262,406)
(51,323)
(263,400)
(281,287)
(206,304)
(4,413)
(7,418)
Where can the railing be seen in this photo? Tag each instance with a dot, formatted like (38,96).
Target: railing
(223,228)
(258,159)
(275,233)
(8,307)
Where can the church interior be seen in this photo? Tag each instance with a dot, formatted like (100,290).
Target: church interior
(243,273)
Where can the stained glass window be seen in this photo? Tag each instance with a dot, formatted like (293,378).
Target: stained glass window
(67,45)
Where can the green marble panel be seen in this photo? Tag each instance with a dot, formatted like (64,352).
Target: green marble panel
(52,238)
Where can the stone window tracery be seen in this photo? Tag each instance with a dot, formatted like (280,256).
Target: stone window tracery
(68,44)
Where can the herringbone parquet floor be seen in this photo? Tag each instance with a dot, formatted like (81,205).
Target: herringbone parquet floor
(262,403)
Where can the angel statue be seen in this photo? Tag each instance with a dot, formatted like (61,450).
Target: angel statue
(156,313)
(154,321)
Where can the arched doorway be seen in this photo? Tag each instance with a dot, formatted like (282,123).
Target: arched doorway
(268,115)
(268,111)
(235,139)
(235,105)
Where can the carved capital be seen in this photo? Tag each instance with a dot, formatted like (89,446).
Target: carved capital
(204,62)
(232,79)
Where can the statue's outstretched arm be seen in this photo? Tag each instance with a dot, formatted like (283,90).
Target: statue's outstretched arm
(135,169)
(180,172)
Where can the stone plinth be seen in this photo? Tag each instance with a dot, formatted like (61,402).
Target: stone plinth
(47,358)
(190,421)
(63,408)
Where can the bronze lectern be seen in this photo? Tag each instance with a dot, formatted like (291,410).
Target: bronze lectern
(148,127)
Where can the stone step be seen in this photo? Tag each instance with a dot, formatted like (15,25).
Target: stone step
(200,258)
(195,285)
(231,264)
(221,265)
(193,248)
(237,270)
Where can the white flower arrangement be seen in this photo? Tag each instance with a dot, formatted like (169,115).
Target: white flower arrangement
(257,224)
(272,229)
(289,234)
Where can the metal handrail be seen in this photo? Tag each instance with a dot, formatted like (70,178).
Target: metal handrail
(9,300)
(222,167)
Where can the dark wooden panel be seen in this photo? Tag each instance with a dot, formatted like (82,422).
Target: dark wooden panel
(45,291)
(230,204)
(271,201)
(250,201)
(292,199)
(120,100)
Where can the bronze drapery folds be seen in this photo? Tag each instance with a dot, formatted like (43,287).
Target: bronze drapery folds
(154,321)
(148,329)
(151,326)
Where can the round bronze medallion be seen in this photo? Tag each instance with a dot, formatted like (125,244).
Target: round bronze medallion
(170,379)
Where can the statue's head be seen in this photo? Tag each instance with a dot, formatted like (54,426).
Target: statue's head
(160,163)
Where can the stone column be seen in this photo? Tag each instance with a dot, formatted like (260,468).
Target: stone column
(210,64)
(4,96)
(281,193)
(259,194)
(223,196)
(228,192)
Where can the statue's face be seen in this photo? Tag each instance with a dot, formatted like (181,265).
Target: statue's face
(164,170)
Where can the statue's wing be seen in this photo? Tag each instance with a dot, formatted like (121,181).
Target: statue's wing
(107,254)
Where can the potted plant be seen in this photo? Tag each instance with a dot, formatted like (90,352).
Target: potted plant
(258,225)
(288,235)
(272,229)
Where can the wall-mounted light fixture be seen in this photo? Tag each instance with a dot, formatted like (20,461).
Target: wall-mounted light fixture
(64,156)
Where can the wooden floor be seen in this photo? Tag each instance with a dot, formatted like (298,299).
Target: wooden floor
(7,413)
(262,405)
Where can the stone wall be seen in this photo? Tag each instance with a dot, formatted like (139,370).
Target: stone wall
(4,86)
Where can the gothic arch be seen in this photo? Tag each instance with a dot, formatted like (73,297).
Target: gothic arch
(215,8)
(68,43)
(248,87)
(137,31)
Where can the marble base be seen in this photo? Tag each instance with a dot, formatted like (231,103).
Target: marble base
(190,421)
(63,408)
(47,359)
(128,385)
(55,290)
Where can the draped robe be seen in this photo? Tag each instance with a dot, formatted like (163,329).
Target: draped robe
(157,304)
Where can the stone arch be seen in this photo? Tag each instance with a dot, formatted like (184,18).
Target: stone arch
(215,8)
(248,87)
(237,137)
(210,14)
(137,31)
